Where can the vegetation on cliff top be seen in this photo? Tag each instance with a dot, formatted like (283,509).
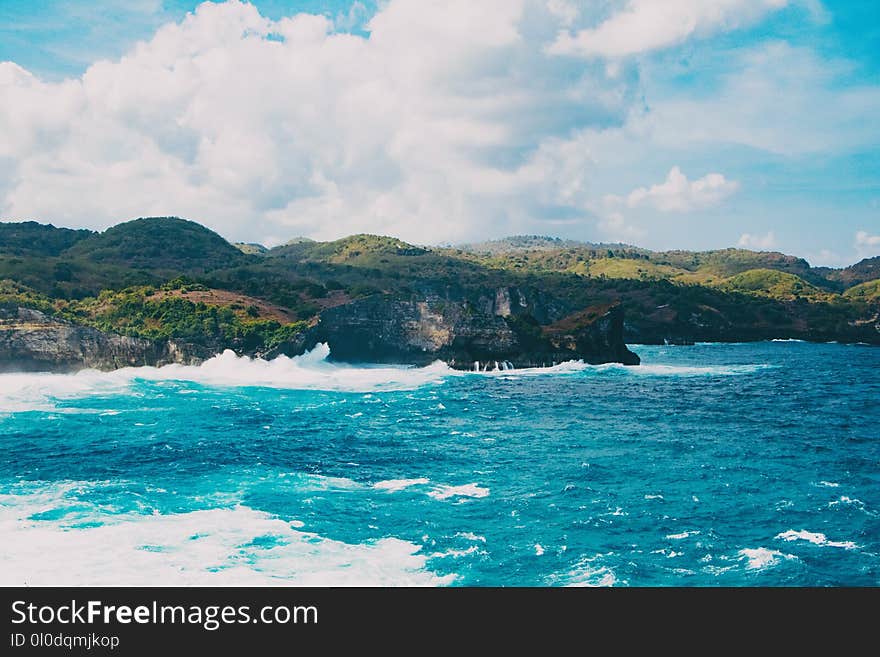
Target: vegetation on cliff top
(252,295)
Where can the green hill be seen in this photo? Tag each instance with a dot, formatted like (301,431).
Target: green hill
(772,283)
(729,262)
(631,268)
(869,291)
(165,244)
(346,249)
(32,239)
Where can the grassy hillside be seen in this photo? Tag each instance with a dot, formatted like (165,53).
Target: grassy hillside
(346,249)
(774,284)
(119,280)
(869,292)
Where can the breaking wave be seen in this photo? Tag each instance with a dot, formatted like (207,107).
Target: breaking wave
(310,371)
(761,558)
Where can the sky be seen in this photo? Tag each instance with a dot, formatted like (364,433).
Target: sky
(689,124)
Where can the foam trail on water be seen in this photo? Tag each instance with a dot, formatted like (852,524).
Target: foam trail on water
(235,546)
(816,538)
(577,367)
(394,485)
(467,490)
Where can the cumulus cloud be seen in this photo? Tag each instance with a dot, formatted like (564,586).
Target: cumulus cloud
(645,25)
(447,121)
(678,194)
(867,245)
(675,194)
(450,120)
(826,258)
(757,242)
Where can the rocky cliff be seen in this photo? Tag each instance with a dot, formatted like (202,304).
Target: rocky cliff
(487,332)
(33,341)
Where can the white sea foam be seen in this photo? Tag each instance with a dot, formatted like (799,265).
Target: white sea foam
(473,549)
(645,369)
(394,485)
(310,371)
(685,370)
(587,574)
(235,546)
(682,535)
(760,558)
(539,549)
(844,501)
(817,538)
(466,490)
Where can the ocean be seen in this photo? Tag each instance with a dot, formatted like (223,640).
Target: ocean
(708,465)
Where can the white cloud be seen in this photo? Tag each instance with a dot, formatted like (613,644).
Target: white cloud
(757,242)
(867,245)
(675,194)
(448,122)
(645,25)
(826,258)
(614,226)
(678,194)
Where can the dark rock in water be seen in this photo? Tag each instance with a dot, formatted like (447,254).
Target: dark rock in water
(418,332)
(33,341)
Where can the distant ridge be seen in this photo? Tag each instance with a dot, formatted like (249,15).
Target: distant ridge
(250,248)
(516,243)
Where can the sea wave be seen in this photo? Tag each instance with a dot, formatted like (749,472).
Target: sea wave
(588,572)
(761,558)
(310,371)
(233,546)
(816,538)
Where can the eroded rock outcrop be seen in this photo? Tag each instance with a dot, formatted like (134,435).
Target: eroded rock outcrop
(463,334)
(31,340)
(486,331)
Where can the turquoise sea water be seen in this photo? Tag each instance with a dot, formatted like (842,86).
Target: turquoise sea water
(742,464)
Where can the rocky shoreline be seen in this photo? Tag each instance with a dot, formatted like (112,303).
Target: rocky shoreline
(372,330)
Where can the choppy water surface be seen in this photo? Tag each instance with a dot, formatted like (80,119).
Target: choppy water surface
(749,464)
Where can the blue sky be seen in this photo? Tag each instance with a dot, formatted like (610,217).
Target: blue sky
(686,124)
(61,38)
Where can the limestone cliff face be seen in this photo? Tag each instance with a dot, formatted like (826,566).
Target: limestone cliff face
(498,328)
(504,326)
(31,340)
